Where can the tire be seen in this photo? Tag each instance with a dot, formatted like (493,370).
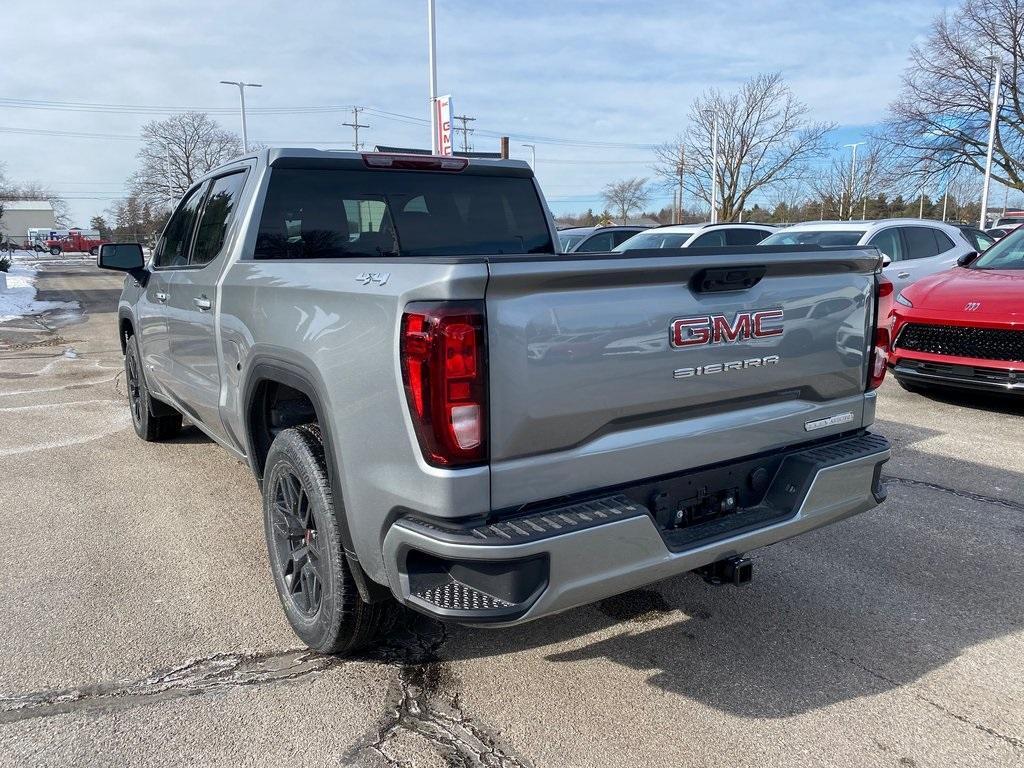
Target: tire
(153,420)
(55,251)
(307,558)
(94,251)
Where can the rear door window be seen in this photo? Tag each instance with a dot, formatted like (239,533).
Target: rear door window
(709,239)
(338,213)
(172,250)
(745,236)
(218,212)
(598,243)
(889,243)
(921,242)
(621,235)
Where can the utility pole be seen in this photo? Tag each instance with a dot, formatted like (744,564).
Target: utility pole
(466,130)
(355,125)
(853,173)
(533,156)
(997,62)
(432,64)
(241,99)
(678,219)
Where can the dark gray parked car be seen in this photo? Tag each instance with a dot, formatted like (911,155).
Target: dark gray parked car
(445,412)
(594,239)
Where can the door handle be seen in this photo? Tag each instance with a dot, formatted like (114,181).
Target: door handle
(203,303)
(160,296)
(903,275)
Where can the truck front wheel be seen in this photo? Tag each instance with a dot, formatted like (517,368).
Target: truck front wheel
(311,572)
(54,250)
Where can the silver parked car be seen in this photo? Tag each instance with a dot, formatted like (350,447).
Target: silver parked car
(697,236)
(915,247)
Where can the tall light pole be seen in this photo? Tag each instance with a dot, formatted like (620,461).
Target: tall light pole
(432,63)
(997,62)
(533,156)
(714,166)
(853,171)
(241,99)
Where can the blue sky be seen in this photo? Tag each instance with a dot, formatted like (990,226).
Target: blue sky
(621,74)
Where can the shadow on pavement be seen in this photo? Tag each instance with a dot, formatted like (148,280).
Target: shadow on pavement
(850,610)
(992,402)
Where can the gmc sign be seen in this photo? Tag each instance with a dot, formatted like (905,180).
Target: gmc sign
(716,329)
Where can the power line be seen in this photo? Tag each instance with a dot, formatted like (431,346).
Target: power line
(355,125)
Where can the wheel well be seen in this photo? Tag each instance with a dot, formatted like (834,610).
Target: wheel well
(275,407)
(125,331)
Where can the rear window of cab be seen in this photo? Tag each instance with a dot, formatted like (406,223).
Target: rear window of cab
(343,213)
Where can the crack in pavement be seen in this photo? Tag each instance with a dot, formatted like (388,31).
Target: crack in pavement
(425,703)
(969,495)
(197,676)
(423,700)
(1013,741)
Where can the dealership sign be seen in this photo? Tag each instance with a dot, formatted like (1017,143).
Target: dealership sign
(443,112)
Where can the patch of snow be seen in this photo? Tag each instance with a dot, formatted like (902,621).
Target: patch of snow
(20,297)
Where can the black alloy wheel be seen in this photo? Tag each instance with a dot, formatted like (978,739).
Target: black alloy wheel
(298,544)
(134,388)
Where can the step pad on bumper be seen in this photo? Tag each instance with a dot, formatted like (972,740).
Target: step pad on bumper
(540,525)
(456,596)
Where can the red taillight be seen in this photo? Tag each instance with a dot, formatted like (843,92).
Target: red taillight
(444,371)
(880,349)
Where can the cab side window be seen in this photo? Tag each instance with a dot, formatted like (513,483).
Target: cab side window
(173,248)
(216,217)
(888,242)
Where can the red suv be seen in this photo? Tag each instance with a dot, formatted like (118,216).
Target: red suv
(964,327)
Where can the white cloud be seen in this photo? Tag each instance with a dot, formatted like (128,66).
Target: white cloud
(606,71)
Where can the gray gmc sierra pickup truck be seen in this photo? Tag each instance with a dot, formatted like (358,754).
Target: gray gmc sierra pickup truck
(445,412)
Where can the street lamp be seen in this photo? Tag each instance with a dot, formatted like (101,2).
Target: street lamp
(997,62)
(533,155)
(432,64)
(241,98)
(714,166)
(853,171)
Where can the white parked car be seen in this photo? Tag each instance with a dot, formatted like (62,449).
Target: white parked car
(916,247)
(697,236)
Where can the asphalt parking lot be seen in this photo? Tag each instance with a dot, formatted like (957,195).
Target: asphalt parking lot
(141,624)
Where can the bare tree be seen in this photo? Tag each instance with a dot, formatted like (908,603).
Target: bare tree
(845,197)
(626,195)
(941,119)
(176,152)
(764,139)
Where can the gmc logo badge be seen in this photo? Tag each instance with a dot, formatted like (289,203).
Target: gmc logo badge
(716,329)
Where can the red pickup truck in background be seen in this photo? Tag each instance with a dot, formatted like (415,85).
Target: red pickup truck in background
(75,241)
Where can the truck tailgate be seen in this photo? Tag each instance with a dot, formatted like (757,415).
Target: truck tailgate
(599,373)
